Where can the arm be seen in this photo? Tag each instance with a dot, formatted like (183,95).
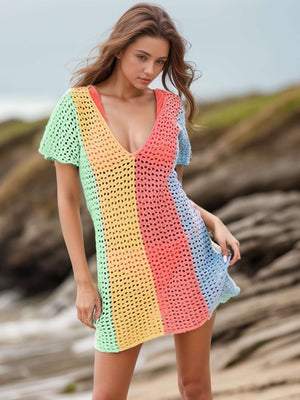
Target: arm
(214,224)
(68,199)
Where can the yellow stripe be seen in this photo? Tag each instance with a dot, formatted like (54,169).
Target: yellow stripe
(135,308)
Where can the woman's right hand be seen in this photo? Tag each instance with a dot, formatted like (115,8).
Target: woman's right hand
(87,300)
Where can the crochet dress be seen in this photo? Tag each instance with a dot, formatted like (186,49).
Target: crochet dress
(158,270)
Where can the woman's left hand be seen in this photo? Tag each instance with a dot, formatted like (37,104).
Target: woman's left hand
(224,238)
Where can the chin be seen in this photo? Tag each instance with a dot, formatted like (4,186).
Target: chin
(141,86)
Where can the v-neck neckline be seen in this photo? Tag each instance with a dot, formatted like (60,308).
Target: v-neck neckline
(100,109)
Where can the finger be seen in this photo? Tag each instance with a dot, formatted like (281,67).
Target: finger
(89,321)
(94,317)
(88,315)
(237,254)
(233,260)
(233,257)
(83,313)
(98,311)
(90,324)
(224,250)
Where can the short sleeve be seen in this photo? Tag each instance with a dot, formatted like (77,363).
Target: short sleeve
(185,150)
(60,139)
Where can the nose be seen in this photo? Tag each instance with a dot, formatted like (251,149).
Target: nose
(149,68)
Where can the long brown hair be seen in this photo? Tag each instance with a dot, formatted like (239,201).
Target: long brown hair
(143,19)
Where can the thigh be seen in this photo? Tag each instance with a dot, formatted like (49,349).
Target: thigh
(113,373)
(193,353)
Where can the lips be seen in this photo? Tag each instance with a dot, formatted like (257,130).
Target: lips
(145,80)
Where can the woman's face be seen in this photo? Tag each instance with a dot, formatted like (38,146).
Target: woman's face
(143,60)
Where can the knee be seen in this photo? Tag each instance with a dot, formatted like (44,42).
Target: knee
(101,396)
(194,389)
(105,395)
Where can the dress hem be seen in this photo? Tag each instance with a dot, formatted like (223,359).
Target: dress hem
(146,339)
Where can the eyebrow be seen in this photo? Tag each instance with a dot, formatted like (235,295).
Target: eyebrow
(148,54)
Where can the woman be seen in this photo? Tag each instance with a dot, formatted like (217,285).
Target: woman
(158,270)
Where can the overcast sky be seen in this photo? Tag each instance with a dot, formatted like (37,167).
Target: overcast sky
(239,46)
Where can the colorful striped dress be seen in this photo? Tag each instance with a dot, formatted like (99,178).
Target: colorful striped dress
(158,270)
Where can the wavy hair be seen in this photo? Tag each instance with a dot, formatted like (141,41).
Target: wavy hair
(143,19)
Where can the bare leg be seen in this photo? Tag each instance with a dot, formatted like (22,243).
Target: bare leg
(192,356)
(113,373)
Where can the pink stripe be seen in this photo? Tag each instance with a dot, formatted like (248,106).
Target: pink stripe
(182,308)
(96,97)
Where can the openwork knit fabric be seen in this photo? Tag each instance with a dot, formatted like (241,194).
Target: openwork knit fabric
(158,270)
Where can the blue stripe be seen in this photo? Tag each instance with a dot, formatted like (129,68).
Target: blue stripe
(215,283)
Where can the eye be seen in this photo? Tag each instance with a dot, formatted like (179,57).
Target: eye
(141,57)
(162,62)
